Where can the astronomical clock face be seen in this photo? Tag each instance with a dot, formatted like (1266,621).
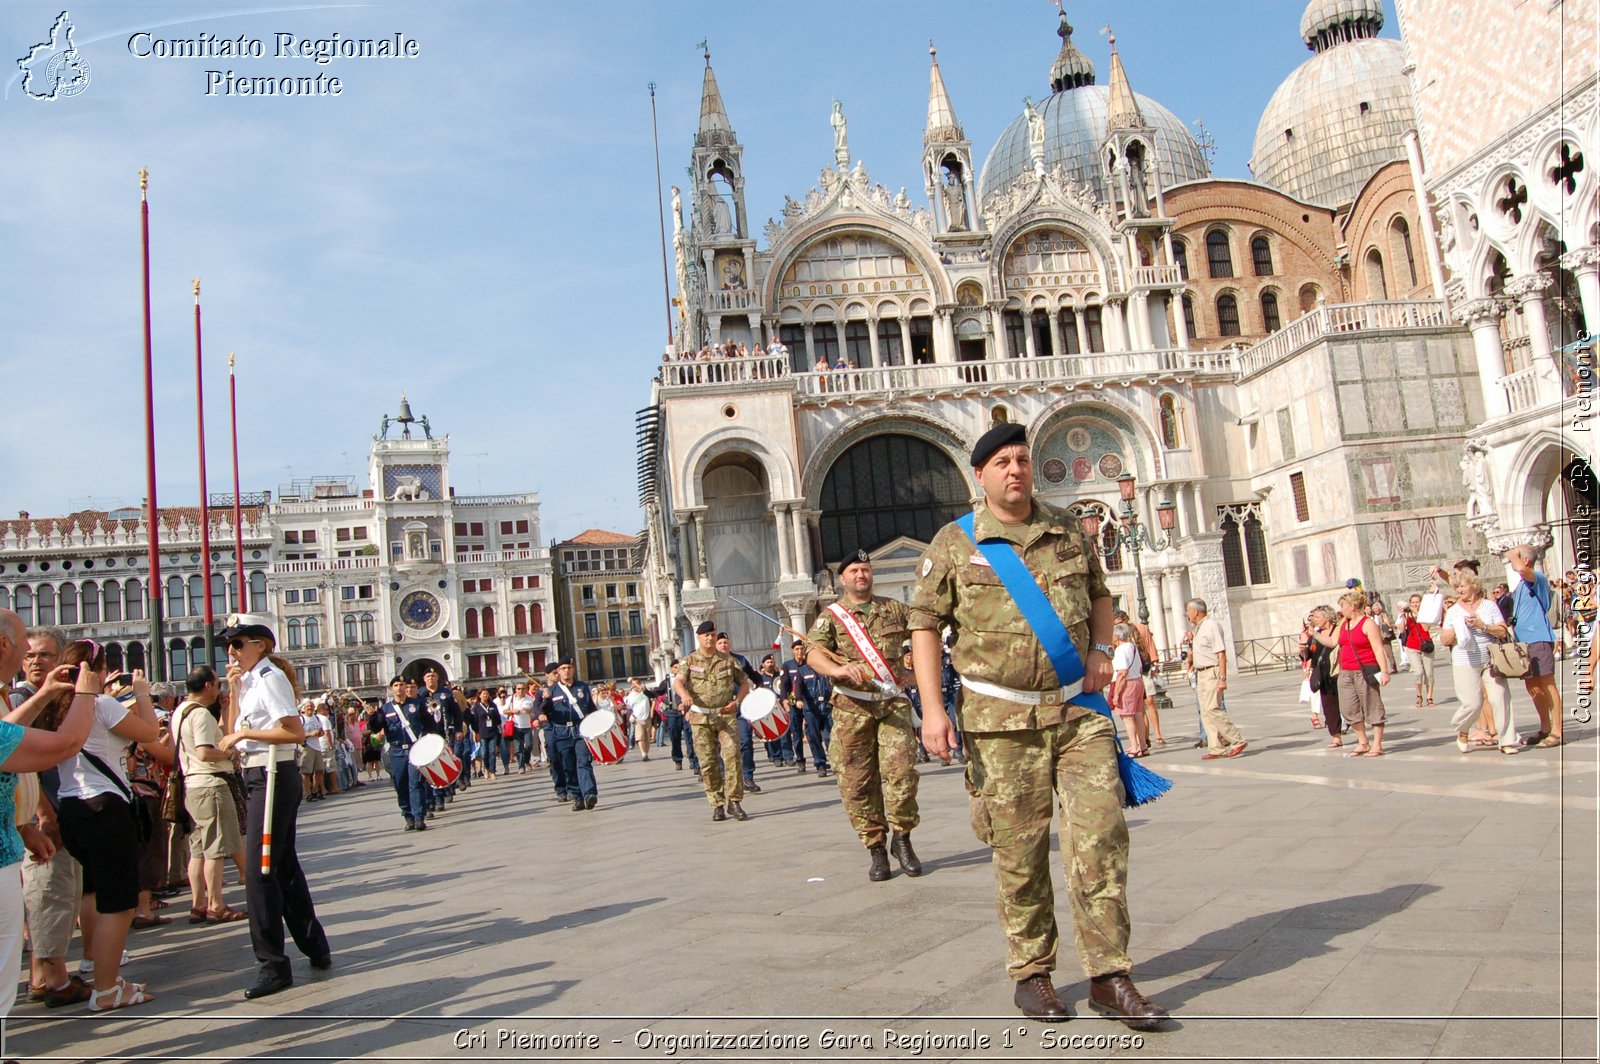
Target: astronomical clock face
(419,610)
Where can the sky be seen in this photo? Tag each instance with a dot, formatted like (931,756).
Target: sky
(475,224)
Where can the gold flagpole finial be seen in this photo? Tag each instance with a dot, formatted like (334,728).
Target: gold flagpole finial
(144,181)
(230,361)
(197,289)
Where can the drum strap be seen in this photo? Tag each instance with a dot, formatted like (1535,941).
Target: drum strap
(863,642)
(572,700)
(405,725)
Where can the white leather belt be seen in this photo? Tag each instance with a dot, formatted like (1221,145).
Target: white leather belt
(703,709)
(259,760)
(865,696)
(1024,698)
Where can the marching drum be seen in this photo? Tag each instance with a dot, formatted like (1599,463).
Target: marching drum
(605,736)
(435,761)
(769,718)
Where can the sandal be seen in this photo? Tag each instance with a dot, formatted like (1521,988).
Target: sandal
(123,995)
(197,916)
(1419,701)
(1430,701)
(142,922)
(1481,738)
(1550,740)
(225,915)
(1373,753)
(1511,749)
(1360,751)
(1316,722)
(1336,744)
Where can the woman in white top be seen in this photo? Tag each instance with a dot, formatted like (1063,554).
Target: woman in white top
(1127,689)
(99,830)
(1470,626)
(638,704)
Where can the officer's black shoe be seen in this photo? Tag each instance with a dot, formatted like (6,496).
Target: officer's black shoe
(268,985)
(750,785)
(901,845)
(561,796)
(800,768)
(736,811)
(1036,997)
(678,765)
(589,802)
(880,864)
(719,813)
(422,825)
(577,805)
(433,814)
(696,773)
(322,963)
(411,825)
(824,772)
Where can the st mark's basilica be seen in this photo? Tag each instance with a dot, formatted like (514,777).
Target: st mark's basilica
(1307,376)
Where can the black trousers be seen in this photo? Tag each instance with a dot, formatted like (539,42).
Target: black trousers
(282,898)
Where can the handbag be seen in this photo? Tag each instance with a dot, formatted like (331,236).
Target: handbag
(1509,660)
(174,809)
(1427,645)
(1370,674)
(509,729)
(144,825)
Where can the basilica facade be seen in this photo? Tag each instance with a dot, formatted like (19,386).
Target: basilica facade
(1273,360)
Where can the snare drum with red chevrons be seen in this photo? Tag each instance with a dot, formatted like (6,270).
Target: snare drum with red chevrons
(605,736)
(769,718)
(435,761)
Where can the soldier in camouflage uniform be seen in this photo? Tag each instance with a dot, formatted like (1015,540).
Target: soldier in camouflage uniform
(1026,743)
(874,749)
(711,686)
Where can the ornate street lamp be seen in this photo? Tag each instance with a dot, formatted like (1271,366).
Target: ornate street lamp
(1135,537)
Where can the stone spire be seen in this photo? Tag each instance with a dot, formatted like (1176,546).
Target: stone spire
(943,128)
(1122,107)
(714,126)
(1072,69)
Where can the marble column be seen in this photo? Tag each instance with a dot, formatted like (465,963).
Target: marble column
(872,341)
(1083,330)
(1584,265)
(1158,613)
(1528,291)
(1482,316)
(945,322)
(811,351)
(905,340)
(800,540)
(1056,347)
(686,547)
(702,561)
(1177,598)
(780,518)
(1027,334)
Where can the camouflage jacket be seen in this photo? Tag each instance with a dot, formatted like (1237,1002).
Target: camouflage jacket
(992,641)
(887,625)
(713,680)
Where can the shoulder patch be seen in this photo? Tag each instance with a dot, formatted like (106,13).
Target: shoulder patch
(927,566)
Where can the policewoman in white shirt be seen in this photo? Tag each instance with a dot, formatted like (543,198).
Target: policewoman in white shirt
(268,729)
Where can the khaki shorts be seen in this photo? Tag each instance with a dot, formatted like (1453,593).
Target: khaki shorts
(216,821)
(313,761)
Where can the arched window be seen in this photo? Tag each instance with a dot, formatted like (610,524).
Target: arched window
(197,656)
(1180,255)
(1377,286)
(114,658)
(1092,325)
(1110,552)
(472,624)
(1261,255)
(111,601)
(369,629)
(1269,312)
(1400,246)
(313,633)
(1244,546)
(197,591)
(887,486)
(1227,315)
(69,604)
(1188,315)
(258,592)
(1218,257)
(175,596)
(91,602)
(136,655)
(349,629)
(219,595)
(24,606)
(5,598)
(1169,421)
(178,659)
(488,620)
(294,634)
(47,605)
(519,619)
(1069,332)
(538,618)
(1309,294)
(132,603)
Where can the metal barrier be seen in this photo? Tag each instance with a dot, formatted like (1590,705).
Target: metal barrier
(1279,653)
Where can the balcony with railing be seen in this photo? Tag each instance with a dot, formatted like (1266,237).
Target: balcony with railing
(319,507)
(733,300)
(1338,319)
(524,498)
(724,372)
(325,565)
(479,557)
(1156,276)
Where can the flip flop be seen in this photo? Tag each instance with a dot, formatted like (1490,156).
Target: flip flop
(1373,753)
(1360,751)
(1549,741)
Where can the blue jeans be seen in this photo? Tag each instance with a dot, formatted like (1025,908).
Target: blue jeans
(491,750)
(409,788)
(747,750)
(523,738)
(462,748)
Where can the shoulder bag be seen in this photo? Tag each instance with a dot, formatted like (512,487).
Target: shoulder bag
(144,825)
(174,808)
(1509,660)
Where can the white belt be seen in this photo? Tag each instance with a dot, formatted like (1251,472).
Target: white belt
(259,760)
(703,709)
(1023,698)
(865,696)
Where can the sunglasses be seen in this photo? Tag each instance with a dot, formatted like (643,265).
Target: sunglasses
(238,641)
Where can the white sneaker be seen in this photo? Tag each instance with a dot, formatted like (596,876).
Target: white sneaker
(86,966)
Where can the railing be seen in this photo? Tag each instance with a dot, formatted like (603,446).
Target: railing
(1278,653)
(1156,276)
(733,299)
(502,556)
(1339,318)
(526,498)
(723,371)
(369,561)
(324,506)
(967,376)
(1522,389)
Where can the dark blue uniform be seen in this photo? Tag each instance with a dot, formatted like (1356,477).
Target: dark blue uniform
(571,768)
(747,745)
(811,692)
(403,723)
(445,712)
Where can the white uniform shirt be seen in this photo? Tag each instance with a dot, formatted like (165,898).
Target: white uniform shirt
(265,697)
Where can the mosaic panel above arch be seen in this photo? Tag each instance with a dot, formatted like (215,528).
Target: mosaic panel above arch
(1084,453)
(1051,258)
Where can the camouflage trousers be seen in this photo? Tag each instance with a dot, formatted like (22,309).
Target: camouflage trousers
(723,778)
(875,761)
(1012,779)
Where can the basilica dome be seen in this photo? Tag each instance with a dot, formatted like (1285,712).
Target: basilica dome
(1075,128)
(1342,114)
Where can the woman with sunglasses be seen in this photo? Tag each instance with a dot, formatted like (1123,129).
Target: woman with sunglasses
(267,731)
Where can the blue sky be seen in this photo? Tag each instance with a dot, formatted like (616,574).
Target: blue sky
(476,225)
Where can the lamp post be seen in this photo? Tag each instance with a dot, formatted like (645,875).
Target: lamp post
(1136,538)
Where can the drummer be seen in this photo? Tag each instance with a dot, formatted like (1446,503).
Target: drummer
(711,685)
(567,700)
(404,721)
(268,728)
(874,749)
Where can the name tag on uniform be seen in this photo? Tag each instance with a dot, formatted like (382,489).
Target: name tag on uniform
(978,559)
(696,669)
(1068,550)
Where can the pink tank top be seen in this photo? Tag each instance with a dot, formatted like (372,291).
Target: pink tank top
(1355,649)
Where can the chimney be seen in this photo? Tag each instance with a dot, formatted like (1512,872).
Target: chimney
(22,515)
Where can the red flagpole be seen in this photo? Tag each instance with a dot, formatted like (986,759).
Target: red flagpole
(238,522)
(205,499)
(156,660)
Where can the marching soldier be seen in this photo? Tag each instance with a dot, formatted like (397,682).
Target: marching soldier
(1026,742)
(565,703)
(874,749)
(711,685)
(404,721)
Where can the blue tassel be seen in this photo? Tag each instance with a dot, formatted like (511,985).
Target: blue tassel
(1140,786)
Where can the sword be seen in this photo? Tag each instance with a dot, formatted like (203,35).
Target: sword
(886,686)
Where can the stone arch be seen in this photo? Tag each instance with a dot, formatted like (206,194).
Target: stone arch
(889,485)
(1080,222)
(1534,468)
(942,434)
(781,477)
(791,247)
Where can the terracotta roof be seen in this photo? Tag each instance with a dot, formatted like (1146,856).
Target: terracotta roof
(85,520)
(599,537)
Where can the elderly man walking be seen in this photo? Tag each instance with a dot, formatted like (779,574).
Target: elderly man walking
(1208,660)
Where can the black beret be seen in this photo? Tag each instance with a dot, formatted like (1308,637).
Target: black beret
(1002,435)
(706,628)
(857,555)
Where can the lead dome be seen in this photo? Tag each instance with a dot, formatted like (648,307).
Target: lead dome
(1342,114)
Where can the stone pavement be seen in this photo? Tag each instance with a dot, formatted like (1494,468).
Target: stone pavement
(1287,903)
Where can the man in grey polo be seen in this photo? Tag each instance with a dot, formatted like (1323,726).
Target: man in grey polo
(1208,660)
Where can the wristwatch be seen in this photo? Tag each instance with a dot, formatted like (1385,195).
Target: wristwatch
(1104,648)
